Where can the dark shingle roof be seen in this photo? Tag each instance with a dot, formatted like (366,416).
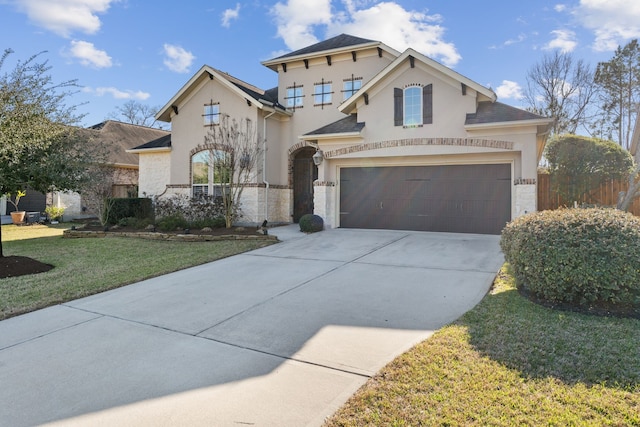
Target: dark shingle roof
(162,142)
(337,42)
(495,112)
(347,125)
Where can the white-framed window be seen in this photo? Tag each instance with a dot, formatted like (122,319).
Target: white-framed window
(351,86)
(295,96)
(322,94)
(412,106)
(209,172)
(211,114)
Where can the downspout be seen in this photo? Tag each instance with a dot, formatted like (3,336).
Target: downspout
(264,166)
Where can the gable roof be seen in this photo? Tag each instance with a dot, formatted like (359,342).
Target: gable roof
(348,126)
(338,43)
(258,97)
(119,137)
(349,105)
(497,112)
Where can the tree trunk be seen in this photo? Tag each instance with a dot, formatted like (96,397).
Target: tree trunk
(625,198)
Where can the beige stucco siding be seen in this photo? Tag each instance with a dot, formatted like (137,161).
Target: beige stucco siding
(188,129)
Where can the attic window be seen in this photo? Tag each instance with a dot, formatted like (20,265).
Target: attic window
(295,96)
(211,114)
(350,86)
(322,94)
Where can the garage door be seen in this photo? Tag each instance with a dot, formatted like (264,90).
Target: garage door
(454,198)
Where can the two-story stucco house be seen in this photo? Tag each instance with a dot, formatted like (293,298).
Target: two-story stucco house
(362,135)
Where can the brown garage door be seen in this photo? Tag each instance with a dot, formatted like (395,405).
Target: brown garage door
(458,198)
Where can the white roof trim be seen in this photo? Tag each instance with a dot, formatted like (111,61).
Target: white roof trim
(148,150)
(349,105)
(193,80)
(508,124)
(324,136)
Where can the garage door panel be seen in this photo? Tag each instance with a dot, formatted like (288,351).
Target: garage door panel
(460,198)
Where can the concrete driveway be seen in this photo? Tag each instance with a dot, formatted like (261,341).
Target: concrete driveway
(280,336)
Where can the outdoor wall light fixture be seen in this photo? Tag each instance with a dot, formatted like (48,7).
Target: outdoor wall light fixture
(318,158)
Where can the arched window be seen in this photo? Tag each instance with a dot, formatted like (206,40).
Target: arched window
(413,106)
(209,172)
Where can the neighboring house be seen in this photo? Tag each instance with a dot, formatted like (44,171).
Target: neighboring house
(116,137)
(362,135)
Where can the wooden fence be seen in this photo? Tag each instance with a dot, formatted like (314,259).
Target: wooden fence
(607,195)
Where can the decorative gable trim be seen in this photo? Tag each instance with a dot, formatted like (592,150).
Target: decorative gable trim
(460,142)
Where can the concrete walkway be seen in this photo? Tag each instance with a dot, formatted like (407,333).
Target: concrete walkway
(280,336)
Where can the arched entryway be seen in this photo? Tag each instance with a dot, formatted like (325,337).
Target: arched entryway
(304,173)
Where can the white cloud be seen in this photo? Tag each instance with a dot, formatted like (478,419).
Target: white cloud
(387,21)
(117,93)
(560,7)
(565,41)
(90,56)
(230,14)
(296,19)
(177,59)
(613,22)
(509,90)
(63,17)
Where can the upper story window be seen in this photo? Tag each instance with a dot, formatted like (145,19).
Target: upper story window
(351,86)
(211,114)
(295,96)
(413,105)
(322,93)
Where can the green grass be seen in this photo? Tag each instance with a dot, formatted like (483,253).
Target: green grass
(91,265)
(509,362)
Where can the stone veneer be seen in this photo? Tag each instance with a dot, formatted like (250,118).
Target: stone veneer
(324,199)
(526,195)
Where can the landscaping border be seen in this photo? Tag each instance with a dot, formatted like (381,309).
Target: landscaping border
(164,236)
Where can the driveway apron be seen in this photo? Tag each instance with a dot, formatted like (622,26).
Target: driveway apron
(280,336)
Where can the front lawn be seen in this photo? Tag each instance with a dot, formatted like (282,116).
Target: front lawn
(509,362)
(88,266)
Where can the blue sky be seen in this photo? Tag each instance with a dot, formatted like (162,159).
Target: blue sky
(122,50)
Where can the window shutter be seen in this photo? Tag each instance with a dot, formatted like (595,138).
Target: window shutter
(427,104)
(398,118)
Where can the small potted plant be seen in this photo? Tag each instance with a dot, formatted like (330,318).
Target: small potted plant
(54,213)
(17,216)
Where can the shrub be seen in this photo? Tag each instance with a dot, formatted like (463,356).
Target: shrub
(310,223)
(140,208)
(172,222)
(191,209)
(582,257)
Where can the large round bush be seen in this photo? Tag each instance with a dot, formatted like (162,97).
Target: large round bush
(583,257)
(310,223)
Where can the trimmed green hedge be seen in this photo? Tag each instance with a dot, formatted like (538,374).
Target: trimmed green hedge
(310,223)
(577,256)
(140,208)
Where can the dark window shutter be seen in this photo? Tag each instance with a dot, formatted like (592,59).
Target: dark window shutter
(398,113)
(427,104)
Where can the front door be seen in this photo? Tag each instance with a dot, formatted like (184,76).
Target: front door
(304,173)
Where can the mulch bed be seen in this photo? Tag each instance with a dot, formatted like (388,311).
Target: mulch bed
(13,266)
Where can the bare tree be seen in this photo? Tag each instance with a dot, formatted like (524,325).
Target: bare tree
(561,87)
(234,153)
(137,113)
(97,192)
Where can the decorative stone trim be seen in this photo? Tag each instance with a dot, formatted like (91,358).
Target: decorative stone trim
(164,236)
(525,181)
(324,184)
(461,142)
(300,145)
